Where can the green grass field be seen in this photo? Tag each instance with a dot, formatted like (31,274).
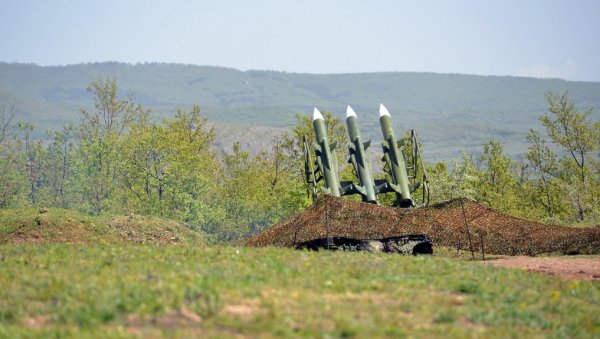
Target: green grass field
(64,274)
(129,290)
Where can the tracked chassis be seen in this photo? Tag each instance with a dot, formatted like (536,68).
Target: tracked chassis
(409,244)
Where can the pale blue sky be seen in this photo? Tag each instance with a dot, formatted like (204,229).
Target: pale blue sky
(542,38)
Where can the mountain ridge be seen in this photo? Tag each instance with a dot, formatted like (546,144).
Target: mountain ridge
(451,112)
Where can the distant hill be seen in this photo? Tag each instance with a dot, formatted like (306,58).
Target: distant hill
(451,112)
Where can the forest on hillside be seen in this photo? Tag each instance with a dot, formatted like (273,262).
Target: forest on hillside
(451,112)
(117,160)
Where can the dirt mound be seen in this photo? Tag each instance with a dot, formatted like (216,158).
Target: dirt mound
(445,223)
(31,226)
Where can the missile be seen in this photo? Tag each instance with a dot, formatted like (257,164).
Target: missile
(395,160)
(326,159)
(359,158)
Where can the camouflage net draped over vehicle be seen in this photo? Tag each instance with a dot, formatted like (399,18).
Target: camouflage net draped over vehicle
(445,223)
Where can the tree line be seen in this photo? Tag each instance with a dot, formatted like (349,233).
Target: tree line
(117,160)
(556,181)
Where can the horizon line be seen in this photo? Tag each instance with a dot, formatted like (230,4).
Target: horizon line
(140,63)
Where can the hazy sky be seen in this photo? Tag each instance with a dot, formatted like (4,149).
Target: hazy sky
(544,38)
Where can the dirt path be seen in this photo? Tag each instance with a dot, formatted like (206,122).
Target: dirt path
(567,268)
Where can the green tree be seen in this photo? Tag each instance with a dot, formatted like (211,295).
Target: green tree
(143,168)
(12,175)
(100,134)
(543,162)
(287,193)
(170,169)
(258,191)
(192,176)
(497,184)
(61,174)
(575,134)
(35,156)
(242,196)
(442,185)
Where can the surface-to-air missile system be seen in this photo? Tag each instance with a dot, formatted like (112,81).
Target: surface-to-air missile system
(398,182)
(409,225)
(335,223)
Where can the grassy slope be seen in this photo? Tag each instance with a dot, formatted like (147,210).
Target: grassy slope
(143,290)
(59,225)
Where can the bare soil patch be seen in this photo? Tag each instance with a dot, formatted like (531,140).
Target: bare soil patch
(35,322)
(567,268)
(175,319)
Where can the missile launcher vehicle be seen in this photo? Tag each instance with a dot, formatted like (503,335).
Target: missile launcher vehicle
(397,181)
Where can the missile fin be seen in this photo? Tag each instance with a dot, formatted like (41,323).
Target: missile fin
(318,149)
(361,190)
(386,148)
(395,188)
(414,187)
(352,148)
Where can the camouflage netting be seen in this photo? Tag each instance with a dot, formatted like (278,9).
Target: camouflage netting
(445,223)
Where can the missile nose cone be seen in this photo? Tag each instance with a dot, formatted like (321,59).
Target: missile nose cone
(350,112)
(383,111)
(317,115)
